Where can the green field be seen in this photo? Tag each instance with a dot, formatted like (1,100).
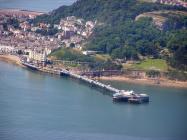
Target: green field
(102,57)
(151,64)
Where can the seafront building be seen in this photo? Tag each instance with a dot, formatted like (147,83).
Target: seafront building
(39,56)
(172,2)
(6,49)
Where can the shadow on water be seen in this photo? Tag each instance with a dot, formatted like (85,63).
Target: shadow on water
(133,104)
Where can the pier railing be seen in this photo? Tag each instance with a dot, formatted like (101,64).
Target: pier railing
(90,81)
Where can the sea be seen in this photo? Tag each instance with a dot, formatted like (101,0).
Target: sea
(37,106)
(34,5)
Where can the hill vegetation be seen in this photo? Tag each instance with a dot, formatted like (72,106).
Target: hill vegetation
(93,62)
(123,37)
(68,54)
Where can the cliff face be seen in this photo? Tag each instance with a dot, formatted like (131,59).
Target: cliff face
(160,18)
(157,19)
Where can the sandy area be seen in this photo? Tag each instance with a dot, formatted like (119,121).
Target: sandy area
(163,82)
(11,59)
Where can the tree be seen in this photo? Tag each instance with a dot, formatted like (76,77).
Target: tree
(177,43)
(72,45)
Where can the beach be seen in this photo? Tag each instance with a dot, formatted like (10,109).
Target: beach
(11,59)
(146,81)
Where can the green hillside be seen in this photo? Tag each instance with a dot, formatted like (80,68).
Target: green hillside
(108,11)
(122,37)
(149,64)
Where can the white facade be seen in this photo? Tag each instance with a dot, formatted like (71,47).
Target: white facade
(42,57)
(6,49)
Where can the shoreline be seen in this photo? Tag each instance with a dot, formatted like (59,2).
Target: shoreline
(23,10)
(163,82)
(18,12)
(11,59)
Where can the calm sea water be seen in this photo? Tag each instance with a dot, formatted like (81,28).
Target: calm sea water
(35,5)
(43,107)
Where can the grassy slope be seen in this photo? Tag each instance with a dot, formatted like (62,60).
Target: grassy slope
(148,64)
(102,57)
(68,54)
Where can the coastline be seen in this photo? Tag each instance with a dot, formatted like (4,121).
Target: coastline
(18,12)
(11,59)
(163,82)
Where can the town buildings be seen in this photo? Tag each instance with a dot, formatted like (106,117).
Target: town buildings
(172,2)
(39,56)
(22,35)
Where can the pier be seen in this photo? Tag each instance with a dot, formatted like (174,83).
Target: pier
(90,81)
(118,95)
(64,72)
(50,71)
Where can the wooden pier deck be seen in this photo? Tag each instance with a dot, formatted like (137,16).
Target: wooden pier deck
(73,75)
(90,81)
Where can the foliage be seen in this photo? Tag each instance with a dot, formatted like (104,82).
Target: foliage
(14,22)
(177,43)
(11,21)
(108,11)
(126,52)
(49,32)
(177,75)
(68,54)
(121,36)
(106,65)
(72,45)
(153,73)
(175,22)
